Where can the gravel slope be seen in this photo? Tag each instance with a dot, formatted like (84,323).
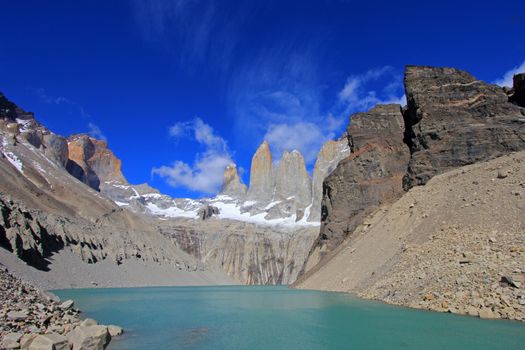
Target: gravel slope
(455,245)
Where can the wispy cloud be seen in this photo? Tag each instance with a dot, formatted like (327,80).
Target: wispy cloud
(92,128)
(507,78)
(280,97)
(193,30)
(205,175)
(94,131)
(358,96)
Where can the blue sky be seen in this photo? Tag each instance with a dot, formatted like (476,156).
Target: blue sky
(180,88)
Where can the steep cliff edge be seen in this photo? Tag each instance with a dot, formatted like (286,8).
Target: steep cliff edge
(454,244)
(92,162)
(370,176)
(328,158)
(453,119)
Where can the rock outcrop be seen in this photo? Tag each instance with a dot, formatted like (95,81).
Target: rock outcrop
(292,179)
(29,319)
(19,122)
(232,184)
(261,175)
(92,162)
(370,176)
(453,120)
(518,90)
(328,158)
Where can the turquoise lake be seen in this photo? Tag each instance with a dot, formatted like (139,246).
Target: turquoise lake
(275,318)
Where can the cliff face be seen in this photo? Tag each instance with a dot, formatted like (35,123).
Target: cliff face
(452,245)
(92,162)
(452,120)
(249,253)
(370,176)
(292,179)
(328,158)
(261,174)
(447,246)
(518,91)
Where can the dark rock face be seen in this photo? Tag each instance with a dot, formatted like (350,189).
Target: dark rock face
(207,211)
(453,120)
(370,176)
(518,97)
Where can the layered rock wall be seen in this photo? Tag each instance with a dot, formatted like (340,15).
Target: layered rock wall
(453,119)
(370,176)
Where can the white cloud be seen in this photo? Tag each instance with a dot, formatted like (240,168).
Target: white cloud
(507,79)
(303,136)
(95,131)
(357,96)
(205,175)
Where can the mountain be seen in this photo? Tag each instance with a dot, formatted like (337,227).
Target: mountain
(67,202)
(451,243)
(51,220)
(232,184)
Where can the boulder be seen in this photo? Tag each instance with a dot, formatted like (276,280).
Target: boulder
(66,305)
(51,341)
(453,119)
(207,211)
(115,330)
(11,341)
(89,338)
(26,340)
(88,322)
(16,316)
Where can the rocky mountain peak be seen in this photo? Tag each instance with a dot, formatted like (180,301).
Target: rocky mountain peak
(232,184)
(92,162)
(261,174)
(292,179)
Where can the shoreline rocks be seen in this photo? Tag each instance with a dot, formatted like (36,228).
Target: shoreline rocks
(29,319)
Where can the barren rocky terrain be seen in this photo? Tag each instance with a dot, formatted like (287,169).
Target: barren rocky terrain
(454,245)
(31,319)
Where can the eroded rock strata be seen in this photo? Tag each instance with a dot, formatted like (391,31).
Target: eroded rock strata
(370,176)
(452,119)
(454,244)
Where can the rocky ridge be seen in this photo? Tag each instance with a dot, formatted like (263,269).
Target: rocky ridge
(454,245)
(369,177)
(441,252)
(47,211)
